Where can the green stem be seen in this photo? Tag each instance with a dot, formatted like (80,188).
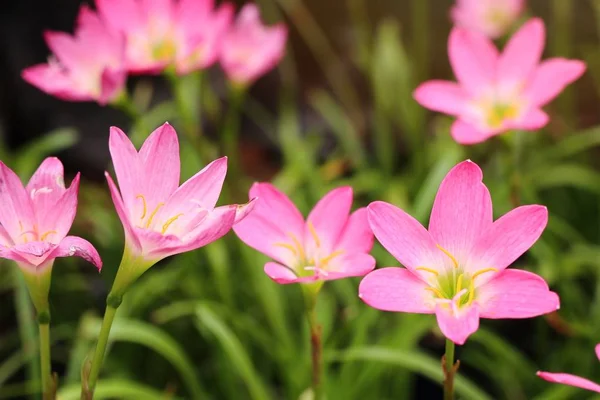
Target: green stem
(518,148)
(231,131)
(316,353)
(46,368)
(450,369)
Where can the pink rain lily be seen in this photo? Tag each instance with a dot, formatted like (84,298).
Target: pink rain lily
(250,49)
(330,244)
(457,268)
(88,66)
(35,220)
(496,92)
(572,380)
(184,34)
(160,217)
(493,18)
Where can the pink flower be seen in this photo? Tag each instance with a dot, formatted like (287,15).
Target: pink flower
(185,34)
(498,92)
(572,380)
(331,244)
(35,219)
(251,49)
(489,17)
(86,66)
(457,269)
(160,217)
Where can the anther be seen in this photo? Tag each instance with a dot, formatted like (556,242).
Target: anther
(298,246)
(483,271)
(139,196)
(149,222)
(324,261)
(287,246)
(45,235)
(433,271)
(446,252)
(313,232)
(169,222)
(459,283)
(435,291)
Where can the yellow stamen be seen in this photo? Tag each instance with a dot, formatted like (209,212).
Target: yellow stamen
(24,235)
(325,261)
(153,214)
(45,235)
(459,283)
(313,232)
(169,222)
(139,196)
(21,226)
(298,246)
(471,291)
(446,252)
(433,271)
(483,271)
(435,292)
(287,246)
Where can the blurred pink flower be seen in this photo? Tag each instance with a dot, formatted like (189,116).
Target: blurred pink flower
(572,380)
(185,34)
(498,92)
(331,244)
(160,217)
(86,66)
(457,269)
(251,49)
(493,18)
(35,220)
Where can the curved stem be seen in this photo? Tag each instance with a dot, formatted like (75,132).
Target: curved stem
(316,353)
(231,129)
(46,368)
(450,369)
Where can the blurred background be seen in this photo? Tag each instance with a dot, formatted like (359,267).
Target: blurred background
(338,110)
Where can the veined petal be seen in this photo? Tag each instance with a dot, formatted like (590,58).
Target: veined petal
(396,289)
(35,253)
(8,253)
(533,120)
(16,211)
(507,239)
(79,247)
(457,325)
(516,294)
(552,77)
(405,238)
(347,265)
(47,185)
(127,167)
(522,53)
(53,80)
(55,220)
(462,210)
(465,133)
(282,274)
(66,49)
(571,380)
(357,235)
(130,232)
(328,218)
(121,15)
(442,96)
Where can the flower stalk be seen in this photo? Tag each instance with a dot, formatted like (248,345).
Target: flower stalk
(46,368)
(450,368)
(311,292)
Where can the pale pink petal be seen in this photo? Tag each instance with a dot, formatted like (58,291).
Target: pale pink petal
(125,160)
(522,53)
(465,133)
(396,289)
(54,81)
(462,210)
(16,211)
(533,120)
(552,77)
(328,218)
(571,380)
(473,58)
(597,350)
(357,235)
(442,96)
(130,233)
(280,274)
(159,160)
(508,238)
(121,15)
(112,84)
(78,247)
(516,294)
(405,238)
(242,210)
(8,253)
(46,186)
(35,253)
(457,325)
(66,49)
(348,265)
(55,220)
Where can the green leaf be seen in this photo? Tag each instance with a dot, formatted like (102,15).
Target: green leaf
(566,175)
(117,389)
(27,160)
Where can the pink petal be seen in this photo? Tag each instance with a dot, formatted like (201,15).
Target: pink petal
(533,120)
(349,265)
(357,235)
(79,247)
(396,289)
(328,218)
(66,49)
(127,167)
(55,220)
(597,350)
(457,325)
(122,15)
(16,211)
(552,77)
(112,84)
(130,232)
(35,253)
(516,294)
(54,81)
(242,210)
(405,238)
(159,161)
(522,53)
(281,274)
(508,238)
(571,380)
(8,253)
(272,221)
(442,96)
(473,58)
(462,210)
(465,133)
(47,185)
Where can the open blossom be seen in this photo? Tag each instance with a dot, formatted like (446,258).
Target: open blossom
(160,217)
(330,244)
(493,18)
(185,34)
(457,268)
(250,49)
(86,66)
(35,220)
(572,380)
(497,92)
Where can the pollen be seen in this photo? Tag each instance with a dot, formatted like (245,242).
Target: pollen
(313,232)
(149,222)
(287,246)
(301,252)
(459,283)
(435,291)
(46,234)
(140,196)
(326,260)
(483,271)
(446,252)
(169,222)
(431,270)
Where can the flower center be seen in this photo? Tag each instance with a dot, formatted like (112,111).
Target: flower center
(33,234)
(164,50)
(147,219)
(498,113)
